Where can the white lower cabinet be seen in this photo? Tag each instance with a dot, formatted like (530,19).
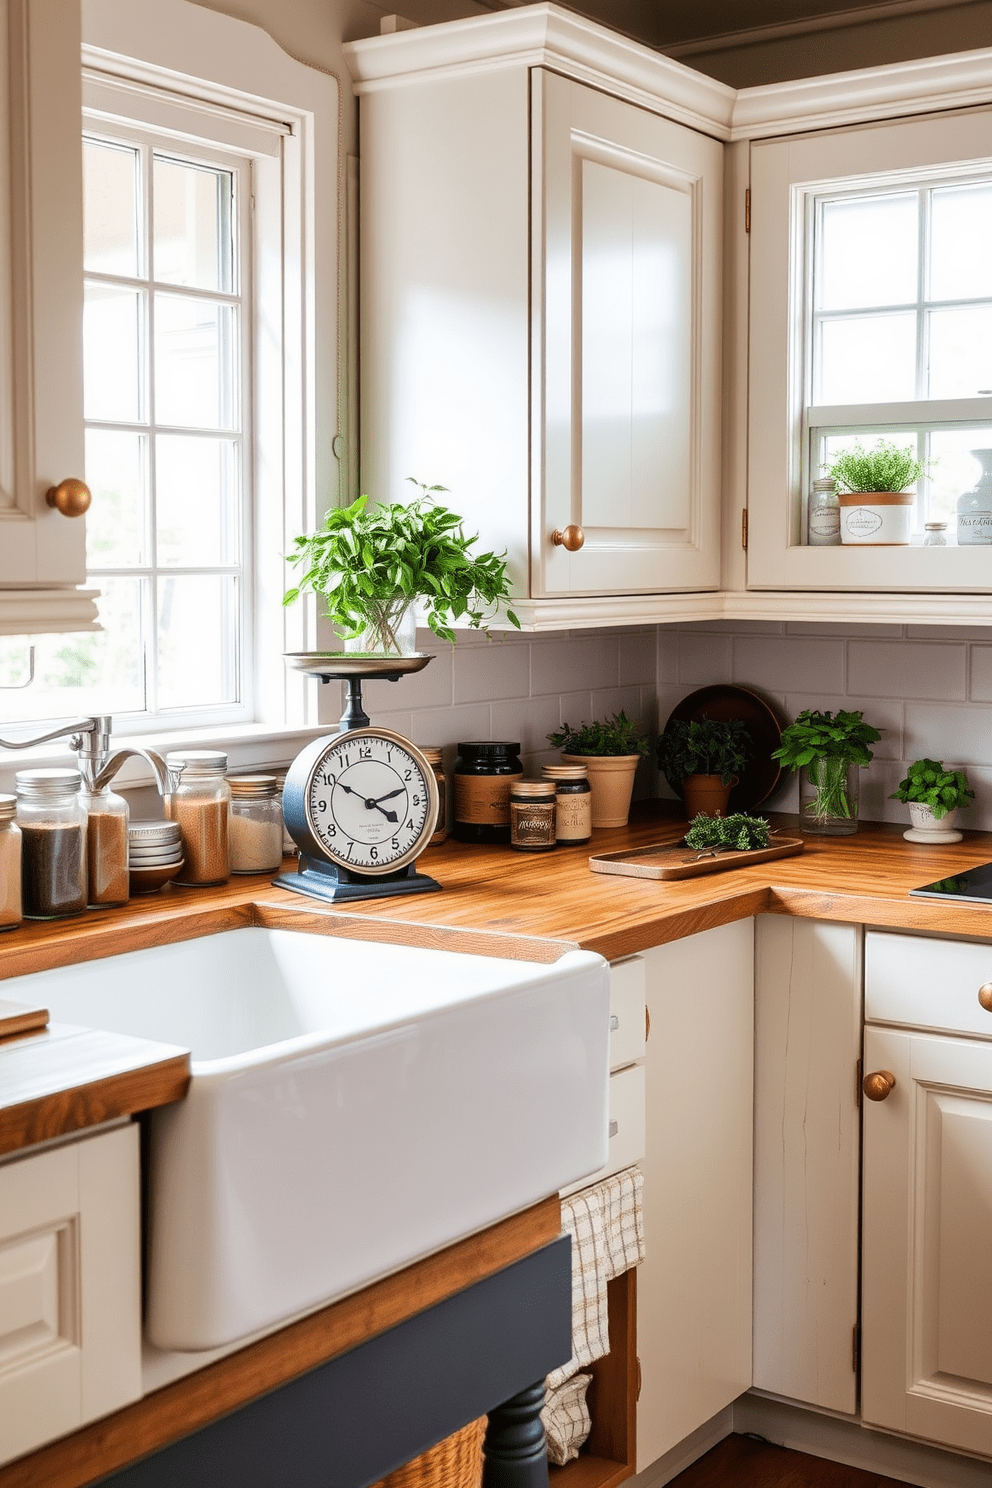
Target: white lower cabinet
(694,1287)
(70,1287)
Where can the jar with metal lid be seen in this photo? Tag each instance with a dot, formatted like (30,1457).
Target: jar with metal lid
(432,754)
(107,817)
(483,775)
(573,802)
(11,912)
(823,514)
(201,804)
(52,819)
(532,815)
(936,535)
(256,824)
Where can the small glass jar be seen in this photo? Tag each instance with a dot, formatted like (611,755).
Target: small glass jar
(573,802)
(823,514)
(201,804)
(52,819)
(936,535)
(483,775)
(432,754)
(107,817)
(11,913)
(256,824)
(532,815)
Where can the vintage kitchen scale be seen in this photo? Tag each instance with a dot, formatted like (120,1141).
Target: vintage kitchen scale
(362,804)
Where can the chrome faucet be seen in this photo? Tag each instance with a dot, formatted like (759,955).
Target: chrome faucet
(90,738)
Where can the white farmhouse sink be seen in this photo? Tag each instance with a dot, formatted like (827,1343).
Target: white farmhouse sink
(353,1106)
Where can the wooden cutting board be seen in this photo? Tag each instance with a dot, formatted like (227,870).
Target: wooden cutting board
(667,860)
(21,1017)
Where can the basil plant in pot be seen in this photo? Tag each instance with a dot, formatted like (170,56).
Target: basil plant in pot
(828,750)
(934,797)
(370,565)
(611,750)
(701,757)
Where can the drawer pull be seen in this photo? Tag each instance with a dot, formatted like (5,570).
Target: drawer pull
(614,1128)
(614,1022)
(879,1085)
(985,996)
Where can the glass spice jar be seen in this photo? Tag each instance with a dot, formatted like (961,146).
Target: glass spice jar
(532,815)
(573,802)
(107,818)
(201,804)
(52,819)
(483,775)
(256,824)
(11,913)
(432,754)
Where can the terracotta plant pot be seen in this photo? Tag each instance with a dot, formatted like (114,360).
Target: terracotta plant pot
(706,794)
(611,780)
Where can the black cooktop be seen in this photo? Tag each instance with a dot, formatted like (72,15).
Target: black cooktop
(975,885)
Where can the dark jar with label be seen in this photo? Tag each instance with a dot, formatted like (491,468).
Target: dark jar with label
(483,775)
(532,815)
(573,802)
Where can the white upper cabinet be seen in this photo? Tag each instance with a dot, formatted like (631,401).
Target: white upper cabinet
(42,552)
(542,301)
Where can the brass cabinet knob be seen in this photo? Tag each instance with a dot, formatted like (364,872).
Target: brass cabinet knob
(985,996)
(570,538)
(70,497)
(879,1085)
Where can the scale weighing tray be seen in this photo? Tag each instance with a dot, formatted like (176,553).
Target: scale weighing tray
(973,886)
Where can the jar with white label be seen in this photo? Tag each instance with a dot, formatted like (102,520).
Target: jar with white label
(975,507)
(823,514)
(532,815)
(573,802)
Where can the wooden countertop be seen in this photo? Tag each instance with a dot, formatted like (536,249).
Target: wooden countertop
(530,906)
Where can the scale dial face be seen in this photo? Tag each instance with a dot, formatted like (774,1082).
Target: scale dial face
(371,801)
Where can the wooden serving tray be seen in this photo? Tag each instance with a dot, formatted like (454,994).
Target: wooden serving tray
(17,1018)
(675,860)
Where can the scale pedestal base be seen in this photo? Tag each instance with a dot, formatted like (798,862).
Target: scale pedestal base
(342,885)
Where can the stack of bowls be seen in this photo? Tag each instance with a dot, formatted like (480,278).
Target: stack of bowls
(155,854)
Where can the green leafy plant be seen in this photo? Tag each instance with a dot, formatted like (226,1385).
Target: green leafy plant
(931,785)
(739,831)
(826,744)
(707,746)
(369,563)
(886,467)
(615,735)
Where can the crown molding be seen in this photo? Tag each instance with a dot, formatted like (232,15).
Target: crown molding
(835,20)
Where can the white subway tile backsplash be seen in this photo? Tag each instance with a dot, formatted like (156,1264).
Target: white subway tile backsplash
(789,663)
(484,674)
(703,659)
(590,659)
(638,657)
(907,669)
(980,686)
(530,720)
(957,735)
(615,700)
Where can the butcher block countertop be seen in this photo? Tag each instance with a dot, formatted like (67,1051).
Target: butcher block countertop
(530,906)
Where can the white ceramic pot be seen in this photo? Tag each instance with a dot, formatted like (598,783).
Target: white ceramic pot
(876,518)
(927,828)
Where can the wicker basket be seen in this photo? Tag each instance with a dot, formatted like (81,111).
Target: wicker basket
(455,1462)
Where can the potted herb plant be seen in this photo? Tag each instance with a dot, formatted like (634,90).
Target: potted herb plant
(370,565)
(934,797)
(827,749)
(610,750)
(703,757)
(875,507)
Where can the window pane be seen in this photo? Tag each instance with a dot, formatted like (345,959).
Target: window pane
(961,351)
(954,470)
(195,362)
(866,359)
(110,208)
(197,501)
(961,243)
(112,347)
(193,223)
(115,523)
(197,640)
(867,253)
(94,672)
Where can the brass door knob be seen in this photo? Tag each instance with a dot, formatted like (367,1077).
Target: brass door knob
(71,497)
(879,1085)
(570,538)
(985,996)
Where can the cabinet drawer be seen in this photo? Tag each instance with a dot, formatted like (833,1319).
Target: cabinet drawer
(627,1008)
(925,983)
(626,1125)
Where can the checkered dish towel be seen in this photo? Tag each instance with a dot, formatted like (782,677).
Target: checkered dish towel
(565,1418)
(607,1229)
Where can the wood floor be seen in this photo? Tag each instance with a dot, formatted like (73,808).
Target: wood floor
(743,1462)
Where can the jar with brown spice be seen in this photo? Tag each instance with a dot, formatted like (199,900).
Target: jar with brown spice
(432,754)
(573,802)
(11,913)
(106,846)
(52,819)
(256,824)
(532,815)
(201,804)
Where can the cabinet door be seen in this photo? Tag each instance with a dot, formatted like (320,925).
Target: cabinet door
(926,1302)
(694,1286)
(626,236)
(807,1040)
(42,553)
